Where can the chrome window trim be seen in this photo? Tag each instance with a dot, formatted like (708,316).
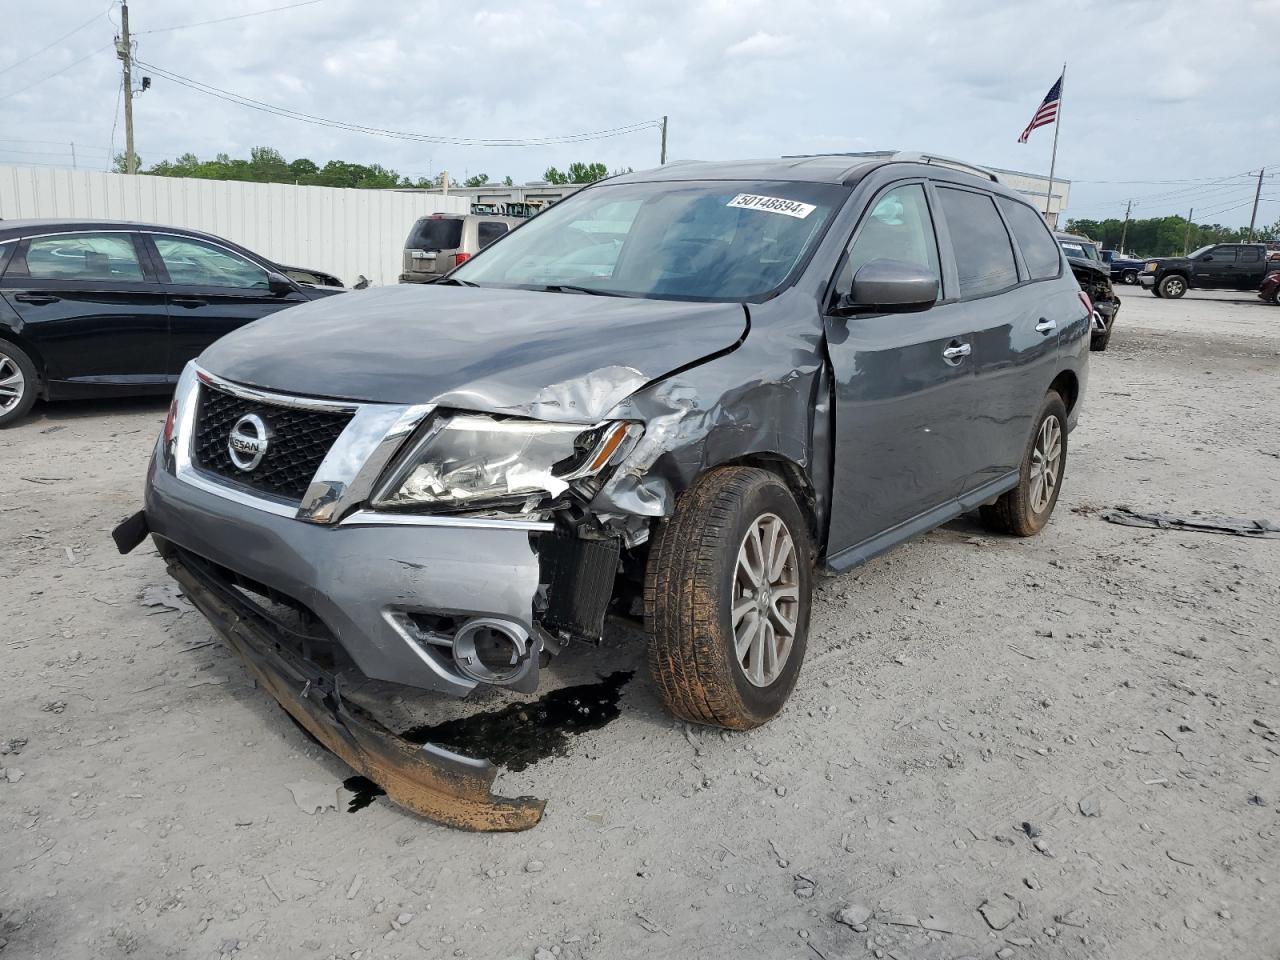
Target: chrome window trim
(376,518)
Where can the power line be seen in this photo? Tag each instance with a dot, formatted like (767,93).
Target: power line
(240,16)
(264,107)
(54,44)
(74,63)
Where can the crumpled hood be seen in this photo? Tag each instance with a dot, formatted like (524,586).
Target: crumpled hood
(548,355)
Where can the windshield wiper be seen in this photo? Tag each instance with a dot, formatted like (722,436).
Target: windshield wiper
(572,288)
(461,283)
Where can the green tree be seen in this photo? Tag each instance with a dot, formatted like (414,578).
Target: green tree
(552,175)
(479,180)
(577,173)
(508,182)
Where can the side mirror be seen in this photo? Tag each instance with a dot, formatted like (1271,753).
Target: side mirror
(1207,258)
(890,286)
(278,284)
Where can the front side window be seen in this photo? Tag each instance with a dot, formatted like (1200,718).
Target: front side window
(984,256)
(1038,248)
(684,240)
(1223,254)
(80,256)
(201,264)
(898,227)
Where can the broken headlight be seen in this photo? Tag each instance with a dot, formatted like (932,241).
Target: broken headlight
(469,461)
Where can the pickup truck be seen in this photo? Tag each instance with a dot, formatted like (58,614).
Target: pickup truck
(1125,269)
(1219,266)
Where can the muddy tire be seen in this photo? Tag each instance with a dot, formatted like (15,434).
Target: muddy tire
(19,383)
(1173,286)
(726,576)
(1025,509)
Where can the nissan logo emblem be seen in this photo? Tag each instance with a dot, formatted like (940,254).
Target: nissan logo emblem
(248,442)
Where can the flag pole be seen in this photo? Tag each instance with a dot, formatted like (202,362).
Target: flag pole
(1057,122)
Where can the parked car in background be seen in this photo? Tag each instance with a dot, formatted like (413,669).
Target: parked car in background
(1125,269)
(679,390)
(93,308)
(1270,289)
(1094,277)
(440,242)
(1218,266)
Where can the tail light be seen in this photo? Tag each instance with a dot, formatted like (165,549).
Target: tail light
(460,258)
(1088,304)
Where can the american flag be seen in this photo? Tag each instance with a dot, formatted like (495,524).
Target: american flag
(1048,111)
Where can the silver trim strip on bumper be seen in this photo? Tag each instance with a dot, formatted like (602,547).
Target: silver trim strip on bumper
(374,518)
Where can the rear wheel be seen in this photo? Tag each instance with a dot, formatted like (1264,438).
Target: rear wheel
(17,383)
(727,595)
(1129,276)
(1173,286)
(1025,509)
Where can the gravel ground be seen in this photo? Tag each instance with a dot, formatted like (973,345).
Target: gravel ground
(1057,747)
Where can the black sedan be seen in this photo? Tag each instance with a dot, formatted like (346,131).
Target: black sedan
(103,308)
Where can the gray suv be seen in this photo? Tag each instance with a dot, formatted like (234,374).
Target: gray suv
(440,242)
(680,392)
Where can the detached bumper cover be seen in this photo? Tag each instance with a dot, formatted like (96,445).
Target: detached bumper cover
(426,779)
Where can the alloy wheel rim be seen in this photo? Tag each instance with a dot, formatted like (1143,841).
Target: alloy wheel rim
(1046,464)
(1175,287)
(766,600)
(12,384)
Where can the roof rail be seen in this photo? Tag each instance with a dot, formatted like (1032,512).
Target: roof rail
(916,156)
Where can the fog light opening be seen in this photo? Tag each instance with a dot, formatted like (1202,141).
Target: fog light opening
(492,651)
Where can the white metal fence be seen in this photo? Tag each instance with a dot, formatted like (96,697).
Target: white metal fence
(344,232)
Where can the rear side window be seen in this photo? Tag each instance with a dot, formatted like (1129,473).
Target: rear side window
(1038,247)
(1249,255)
(490,230)
(984,255)
(80,256)
(436,233)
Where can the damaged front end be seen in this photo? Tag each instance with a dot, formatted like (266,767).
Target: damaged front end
(427,779)
(1095,280)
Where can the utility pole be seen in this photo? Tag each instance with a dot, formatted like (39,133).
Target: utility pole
(1186,234)
(1253,217)
(663,158)
(73,154)
(1124,231)
(125,53)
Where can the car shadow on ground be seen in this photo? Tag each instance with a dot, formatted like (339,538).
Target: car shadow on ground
(64,412)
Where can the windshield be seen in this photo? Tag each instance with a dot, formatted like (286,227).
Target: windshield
(687,240)
(1203,250)
(1084,251)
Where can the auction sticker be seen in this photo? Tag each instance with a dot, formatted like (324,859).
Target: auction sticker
(791,208)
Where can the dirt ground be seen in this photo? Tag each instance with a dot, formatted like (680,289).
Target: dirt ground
(1071,738)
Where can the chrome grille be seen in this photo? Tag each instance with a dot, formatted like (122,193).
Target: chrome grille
(299,440)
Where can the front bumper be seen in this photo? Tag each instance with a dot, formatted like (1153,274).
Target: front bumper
(429,780)
(1148,280)
(361,581)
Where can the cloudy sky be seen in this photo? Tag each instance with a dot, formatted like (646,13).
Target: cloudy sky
(1168,102)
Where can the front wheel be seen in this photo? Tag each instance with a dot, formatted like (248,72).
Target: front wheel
(1172,287)
(728,589)
(1130,276)
(1025,509)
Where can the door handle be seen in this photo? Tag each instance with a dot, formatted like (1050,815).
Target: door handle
(956,351)
(1046,326)
(189,301)
(36,298)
